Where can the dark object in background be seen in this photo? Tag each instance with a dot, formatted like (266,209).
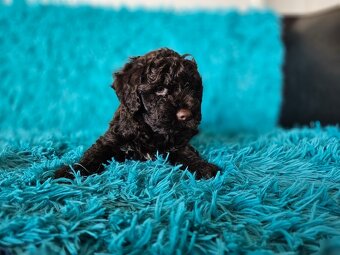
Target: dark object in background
(4,251)
(160,97)
(312,69)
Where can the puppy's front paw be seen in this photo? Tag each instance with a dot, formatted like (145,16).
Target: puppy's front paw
(64,172)
(207,170)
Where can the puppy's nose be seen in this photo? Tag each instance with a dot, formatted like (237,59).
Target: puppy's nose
(183,114)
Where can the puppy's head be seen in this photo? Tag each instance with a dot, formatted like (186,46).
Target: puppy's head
(162,88)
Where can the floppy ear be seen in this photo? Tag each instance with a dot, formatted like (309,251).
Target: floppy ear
(126,84)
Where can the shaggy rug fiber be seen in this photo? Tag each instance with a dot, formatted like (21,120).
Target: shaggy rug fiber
(277,193)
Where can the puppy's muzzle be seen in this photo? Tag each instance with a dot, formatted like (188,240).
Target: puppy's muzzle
(183,114)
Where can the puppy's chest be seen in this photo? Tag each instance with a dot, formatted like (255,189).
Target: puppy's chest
(132,152)
(146,147)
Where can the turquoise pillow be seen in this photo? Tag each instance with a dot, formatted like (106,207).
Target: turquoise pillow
(57,63)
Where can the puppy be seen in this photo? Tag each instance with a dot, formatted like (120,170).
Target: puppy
(160,97)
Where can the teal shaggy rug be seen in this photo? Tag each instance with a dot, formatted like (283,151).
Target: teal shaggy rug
(278,191)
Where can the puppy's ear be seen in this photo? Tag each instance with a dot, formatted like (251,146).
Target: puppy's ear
(126,84)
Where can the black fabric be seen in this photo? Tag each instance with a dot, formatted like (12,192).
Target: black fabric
(311,69)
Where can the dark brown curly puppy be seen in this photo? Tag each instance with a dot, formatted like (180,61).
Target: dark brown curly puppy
(160,110)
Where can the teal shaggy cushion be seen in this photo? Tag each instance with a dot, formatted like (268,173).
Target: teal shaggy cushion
(278,192)
(57,64)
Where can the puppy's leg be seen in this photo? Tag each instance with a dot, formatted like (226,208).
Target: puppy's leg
(106,147)
(189,157)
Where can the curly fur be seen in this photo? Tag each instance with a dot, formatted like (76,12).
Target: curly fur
(152,89)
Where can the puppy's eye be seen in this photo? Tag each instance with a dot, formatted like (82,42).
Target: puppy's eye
(161,91)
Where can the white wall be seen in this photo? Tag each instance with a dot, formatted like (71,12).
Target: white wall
(301,6)
(168,4)
(282,6)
